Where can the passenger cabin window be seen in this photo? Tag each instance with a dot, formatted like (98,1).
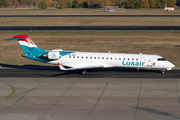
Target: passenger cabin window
(77,56)
(119,58)
(107,58)
(94,57)
(124,58)
(90,57)
(102,57)
(128,58)
(132,58)
(82,56)
(86,57)
(69,56)
(136,59)
(161,59)
(98,57)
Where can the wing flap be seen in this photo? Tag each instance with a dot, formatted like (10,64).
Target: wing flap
(84,68)
(80,68)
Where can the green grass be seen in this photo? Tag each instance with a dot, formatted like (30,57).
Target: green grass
(166,44)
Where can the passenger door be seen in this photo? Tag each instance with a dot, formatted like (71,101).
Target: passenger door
(151,62)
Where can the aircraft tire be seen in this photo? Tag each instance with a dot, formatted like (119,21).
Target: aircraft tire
(84,72)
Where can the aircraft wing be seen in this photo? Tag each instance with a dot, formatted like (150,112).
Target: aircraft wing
(80,68)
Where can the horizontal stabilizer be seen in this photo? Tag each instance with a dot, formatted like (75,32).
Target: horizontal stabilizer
(15,38)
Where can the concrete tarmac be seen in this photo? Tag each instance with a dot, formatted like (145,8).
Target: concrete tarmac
(54,72)
(42,94)
(89,28)
(89,98)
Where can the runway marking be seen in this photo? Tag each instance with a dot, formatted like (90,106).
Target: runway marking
(47,86)
(13,91)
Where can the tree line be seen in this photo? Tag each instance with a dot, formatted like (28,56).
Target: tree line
(43,4)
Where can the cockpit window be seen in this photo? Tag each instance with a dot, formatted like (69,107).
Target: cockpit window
(161,59)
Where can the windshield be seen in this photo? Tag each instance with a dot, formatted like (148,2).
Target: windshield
(161,59)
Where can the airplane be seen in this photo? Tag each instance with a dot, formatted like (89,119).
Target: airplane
(84,61)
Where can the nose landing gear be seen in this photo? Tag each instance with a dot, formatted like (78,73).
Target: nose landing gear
(163,71)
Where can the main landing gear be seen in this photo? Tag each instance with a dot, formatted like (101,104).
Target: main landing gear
(84,72)
(162,72)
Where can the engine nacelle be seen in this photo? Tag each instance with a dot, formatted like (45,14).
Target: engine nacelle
(57,50)
(53,55)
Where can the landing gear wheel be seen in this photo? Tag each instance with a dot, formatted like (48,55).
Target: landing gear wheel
(84,72)
(162,72)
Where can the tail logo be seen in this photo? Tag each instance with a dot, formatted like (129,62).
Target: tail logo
(28,40)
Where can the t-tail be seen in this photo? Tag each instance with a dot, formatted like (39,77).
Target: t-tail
(26,43)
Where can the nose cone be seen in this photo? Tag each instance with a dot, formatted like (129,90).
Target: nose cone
(172,65)
(169,66)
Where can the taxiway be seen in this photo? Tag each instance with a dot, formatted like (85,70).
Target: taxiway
(43,94)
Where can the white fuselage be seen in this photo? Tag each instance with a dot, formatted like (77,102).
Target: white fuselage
(78,59)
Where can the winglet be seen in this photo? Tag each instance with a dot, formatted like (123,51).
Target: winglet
(61,67)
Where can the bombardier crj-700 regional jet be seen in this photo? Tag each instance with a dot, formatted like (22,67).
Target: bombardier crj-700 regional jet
(90,60)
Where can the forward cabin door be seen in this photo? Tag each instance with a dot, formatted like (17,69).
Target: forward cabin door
(151,62)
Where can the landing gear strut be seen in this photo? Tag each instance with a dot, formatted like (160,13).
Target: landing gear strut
(162,72)
(84,72)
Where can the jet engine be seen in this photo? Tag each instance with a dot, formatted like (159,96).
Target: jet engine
(52,55)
